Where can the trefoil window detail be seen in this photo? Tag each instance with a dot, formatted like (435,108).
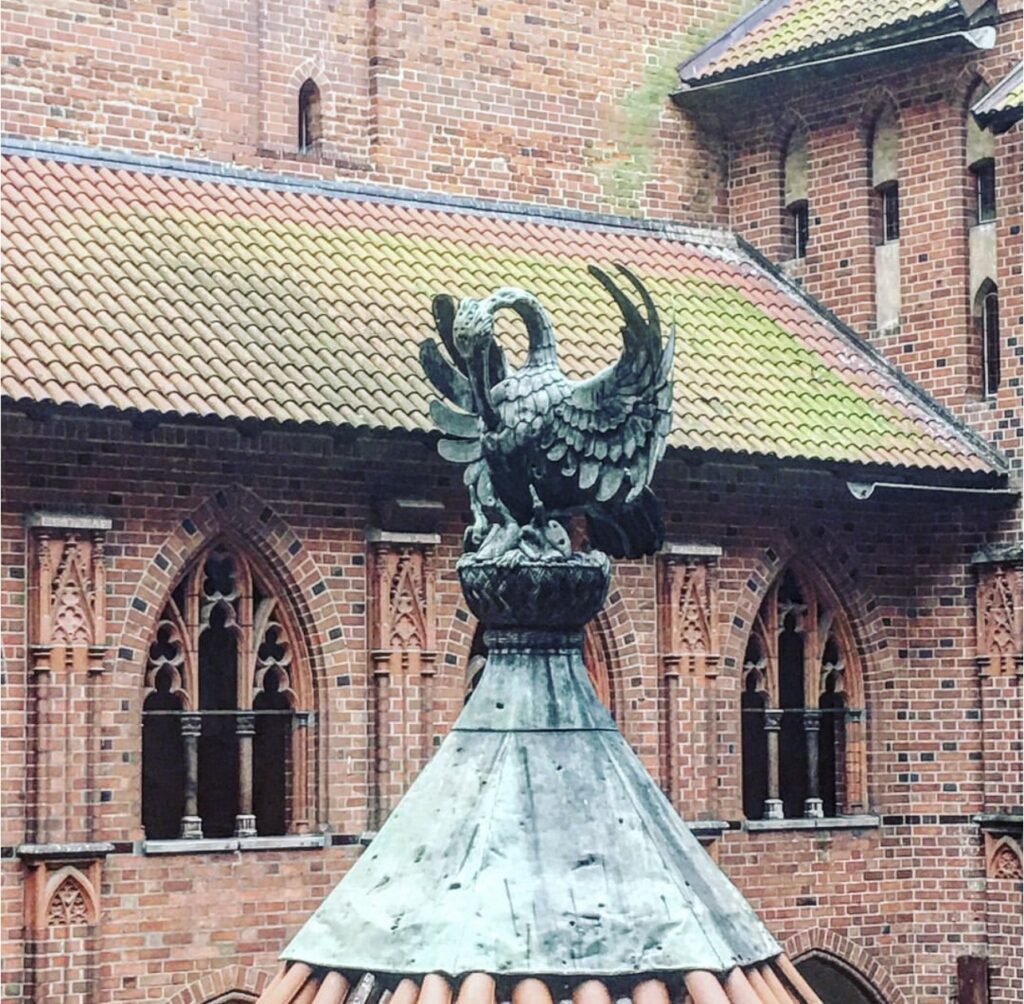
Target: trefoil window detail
(224,721)
(801,715)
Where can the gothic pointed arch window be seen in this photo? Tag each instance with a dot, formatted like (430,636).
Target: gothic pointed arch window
(226,706)
(801,706)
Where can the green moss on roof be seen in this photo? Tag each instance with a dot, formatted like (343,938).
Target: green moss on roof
(134,291)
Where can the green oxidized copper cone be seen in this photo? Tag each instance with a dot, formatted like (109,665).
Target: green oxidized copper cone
(534,841)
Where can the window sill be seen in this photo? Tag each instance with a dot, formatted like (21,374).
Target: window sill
(227,845)
(862,821)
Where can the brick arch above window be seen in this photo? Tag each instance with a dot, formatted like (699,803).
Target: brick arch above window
(238,513)
(826,944)
(219,986)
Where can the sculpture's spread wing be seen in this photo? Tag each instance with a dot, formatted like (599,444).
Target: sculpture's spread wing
(460,425)
(610,432)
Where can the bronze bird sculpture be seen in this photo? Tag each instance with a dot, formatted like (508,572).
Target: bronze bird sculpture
(539,447)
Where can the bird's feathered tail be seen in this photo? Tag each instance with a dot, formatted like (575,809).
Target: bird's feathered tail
(630,531)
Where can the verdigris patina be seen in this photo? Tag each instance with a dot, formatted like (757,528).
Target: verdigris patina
(539,446)
(535,842)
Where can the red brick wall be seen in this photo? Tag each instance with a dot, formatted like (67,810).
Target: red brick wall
(564,104)
(909,893)
(935,343)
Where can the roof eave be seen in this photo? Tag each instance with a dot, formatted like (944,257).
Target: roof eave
(948,30)
(145,422)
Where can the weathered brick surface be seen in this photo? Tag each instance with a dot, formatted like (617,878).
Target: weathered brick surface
(563,105)
(559,103)
(911,893)
(935,342)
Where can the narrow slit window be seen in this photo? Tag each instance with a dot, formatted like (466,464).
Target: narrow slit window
(309,115)
(796,212)
(990,341)
(985,190)
(890,200)
(800,222)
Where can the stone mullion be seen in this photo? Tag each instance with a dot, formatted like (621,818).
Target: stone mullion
(299,808)
(812,733)
(191,727)
(772,725)
(245,821)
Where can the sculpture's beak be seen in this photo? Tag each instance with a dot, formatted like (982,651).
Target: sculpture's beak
(473,327)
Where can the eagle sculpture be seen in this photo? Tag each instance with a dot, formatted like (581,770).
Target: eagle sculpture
(539,447)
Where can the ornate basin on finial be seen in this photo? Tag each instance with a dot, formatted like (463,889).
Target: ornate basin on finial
(539,593)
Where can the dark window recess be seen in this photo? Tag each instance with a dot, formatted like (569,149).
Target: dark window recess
(309,115)
(889,197)
(755,751)
(220,725)
(984,190)
(794,753)
(800,222)
(990,342)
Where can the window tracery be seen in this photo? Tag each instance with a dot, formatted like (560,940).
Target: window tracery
(799,705)
(223,718)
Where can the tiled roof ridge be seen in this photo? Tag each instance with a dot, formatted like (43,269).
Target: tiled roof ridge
(345,188)
(970,436)
(702,68)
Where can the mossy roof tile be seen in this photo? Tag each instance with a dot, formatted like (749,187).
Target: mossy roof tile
(779,29)
(154,292)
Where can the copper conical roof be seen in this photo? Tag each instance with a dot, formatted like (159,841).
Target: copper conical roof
(534,859)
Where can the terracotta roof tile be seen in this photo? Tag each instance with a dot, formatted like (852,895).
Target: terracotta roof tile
(774,982)
(159,293)
(779,29)
(1001,106)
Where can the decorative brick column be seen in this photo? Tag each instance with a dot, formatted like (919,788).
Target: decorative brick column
(403,653)
(62,912)
(67,636)
(689,650)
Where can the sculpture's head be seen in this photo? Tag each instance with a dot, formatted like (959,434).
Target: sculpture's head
(473,327)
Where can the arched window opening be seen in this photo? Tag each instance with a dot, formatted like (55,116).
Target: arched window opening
(596,658)
(309,115)
(986,320)
(223,732)
(885,177)
(836,982)
(796,210)
(795,714)
(885,217)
